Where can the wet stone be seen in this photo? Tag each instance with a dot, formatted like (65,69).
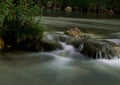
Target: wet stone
(99,49)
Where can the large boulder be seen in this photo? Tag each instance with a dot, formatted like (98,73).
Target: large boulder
(98,49)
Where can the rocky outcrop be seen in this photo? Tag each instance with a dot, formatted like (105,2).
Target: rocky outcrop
(91,47)
(74,32)
(99,49)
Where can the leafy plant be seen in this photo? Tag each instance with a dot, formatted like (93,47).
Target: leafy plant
(19,22)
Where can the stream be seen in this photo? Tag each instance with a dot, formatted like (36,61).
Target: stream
(64,67)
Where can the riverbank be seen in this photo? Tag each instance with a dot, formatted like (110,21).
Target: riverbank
(59,13)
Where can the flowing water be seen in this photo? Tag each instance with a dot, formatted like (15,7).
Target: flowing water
(63,67)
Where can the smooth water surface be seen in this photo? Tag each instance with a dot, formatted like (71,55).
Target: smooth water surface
(97,26)
(63,67)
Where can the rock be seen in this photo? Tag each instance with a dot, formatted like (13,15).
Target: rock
(1,44)
(99,49)
(117,11)
(110,12)
(42,45)
(91,35)
(50,4)
(36,46)
(91,47)
(103,10)
(76,9)
(68,9)
(54,38)
(49,46)
(74,41)
(74,32)
(117,49)
(8,46)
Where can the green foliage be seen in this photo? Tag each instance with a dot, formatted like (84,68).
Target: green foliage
(22,11)
(3,11)
(19,21)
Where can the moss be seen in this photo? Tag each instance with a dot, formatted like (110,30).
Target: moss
(49,46)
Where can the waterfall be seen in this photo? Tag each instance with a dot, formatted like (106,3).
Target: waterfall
(67,51)
(100,54)
(97,57)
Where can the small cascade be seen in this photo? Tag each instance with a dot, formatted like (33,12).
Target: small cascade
(97,57)
(67,51)
(100,55)
(92,48)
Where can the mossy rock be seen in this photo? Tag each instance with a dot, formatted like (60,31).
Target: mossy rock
(16,34)
(49,46)
(99,49)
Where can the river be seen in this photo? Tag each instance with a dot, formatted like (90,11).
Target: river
(63,67)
